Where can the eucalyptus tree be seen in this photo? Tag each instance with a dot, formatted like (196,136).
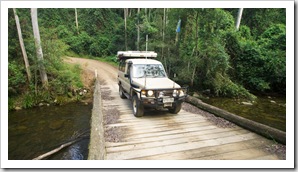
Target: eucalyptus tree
(38,48)
(239,18)
(27,66)
(125,25)
(77,23)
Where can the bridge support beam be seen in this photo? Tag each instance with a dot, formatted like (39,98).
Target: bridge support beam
(97,149)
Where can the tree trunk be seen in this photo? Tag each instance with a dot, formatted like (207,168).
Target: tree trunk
(22,45)
(193,76)
(149,12)
(39,54)
(163,32)
(77,23)
(197,30)
(125,15)
(239,18)
(138,41)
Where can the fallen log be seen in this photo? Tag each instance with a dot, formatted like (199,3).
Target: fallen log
(78,138)
(253,126)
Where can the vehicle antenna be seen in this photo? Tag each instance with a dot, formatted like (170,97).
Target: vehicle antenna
(146,60)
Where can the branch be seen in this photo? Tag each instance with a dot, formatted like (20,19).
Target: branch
(78,138)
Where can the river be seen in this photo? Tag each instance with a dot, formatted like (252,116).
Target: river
(267,110)
(35,131)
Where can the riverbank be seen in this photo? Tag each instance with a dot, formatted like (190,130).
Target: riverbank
(78,89)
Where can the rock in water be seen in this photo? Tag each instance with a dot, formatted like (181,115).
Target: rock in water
(18,108)
(247,103)
(56,124)
(272,101)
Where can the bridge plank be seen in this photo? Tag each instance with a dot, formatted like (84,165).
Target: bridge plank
(179,147)
(169,136)
(188,138)
(208,151)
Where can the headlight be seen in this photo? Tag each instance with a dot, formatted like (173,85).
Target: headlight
(181,93)
(150,93)
(175,93)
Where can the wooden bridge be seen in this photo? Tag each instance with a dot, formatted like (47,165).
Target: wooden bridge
(160,135)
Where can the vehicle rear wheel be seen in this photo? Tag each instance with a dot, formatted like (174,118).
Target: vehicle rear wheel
(176,108)
(137,107)
(121,92)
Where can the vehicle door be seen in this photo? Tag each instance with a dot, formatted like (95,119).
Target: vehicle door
(126,77)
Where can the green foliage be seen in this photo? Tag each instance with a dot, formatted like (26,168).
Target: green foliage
(101,47)
(259,19)
(273,45)
(11,103)
(80,43)
(250,66)
(245,33)
(225,87)
(274,38)
(16,78)
(207,54)
(67,80)
(28,100)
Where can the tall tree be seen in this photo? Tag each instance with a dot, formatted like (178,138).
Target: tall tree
(125,16)
(138,26)
(239,18)
(39,54)
(77,23)
(22,45)
(163,32)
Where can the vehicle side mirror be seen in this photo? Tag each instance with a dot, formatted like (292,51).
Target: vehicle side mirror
(126,75)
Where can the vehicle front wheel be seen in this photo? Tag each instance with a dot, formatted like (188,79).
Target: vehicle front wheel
(121,92)
(137,107)
(176,108)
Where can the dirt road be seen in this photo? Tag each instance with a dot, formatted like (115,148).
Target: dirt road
(191,134)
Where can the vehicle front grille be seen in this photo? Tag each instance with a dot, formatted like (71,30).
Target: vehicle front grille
(166,93)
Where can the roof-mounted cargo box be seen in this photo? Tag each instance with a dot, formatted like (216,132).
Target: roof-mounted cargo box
(123,55)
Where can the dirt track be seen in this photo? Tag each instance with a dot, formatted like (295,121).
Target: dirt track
(161,135)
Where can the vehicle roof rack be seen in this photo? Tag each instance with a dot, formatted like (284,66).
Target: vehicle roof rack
(123,55)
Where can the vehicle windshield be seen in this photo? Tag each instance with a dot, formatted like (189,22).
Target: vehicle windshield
(149,70)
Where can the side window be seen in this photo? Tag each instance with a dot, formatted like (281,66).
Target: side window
(122,66)
(128,69)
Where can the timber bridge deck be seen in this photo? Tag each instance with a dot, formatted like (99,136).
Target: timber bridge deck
(185,136)
(159,135)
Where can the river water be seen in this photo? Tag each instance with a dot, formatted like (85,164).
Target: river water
(35,131)
(267,110)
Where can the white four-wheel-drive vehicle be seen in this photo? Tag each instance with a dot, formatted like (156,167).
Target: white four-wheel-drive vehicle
(144,80)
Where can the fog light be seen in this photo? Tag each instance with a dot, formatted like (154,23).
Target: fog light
(143,93)
(175,93)
(161,94)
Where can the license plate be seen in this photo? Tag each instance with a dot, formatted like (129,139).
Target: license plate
(167,105)
(168,100)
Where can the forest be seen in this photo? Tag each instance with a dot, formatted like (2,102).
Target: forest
(202,48)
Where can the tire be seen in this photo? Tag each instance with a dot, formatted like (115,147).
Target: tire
(176,109)
(137,107)
(121,92)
